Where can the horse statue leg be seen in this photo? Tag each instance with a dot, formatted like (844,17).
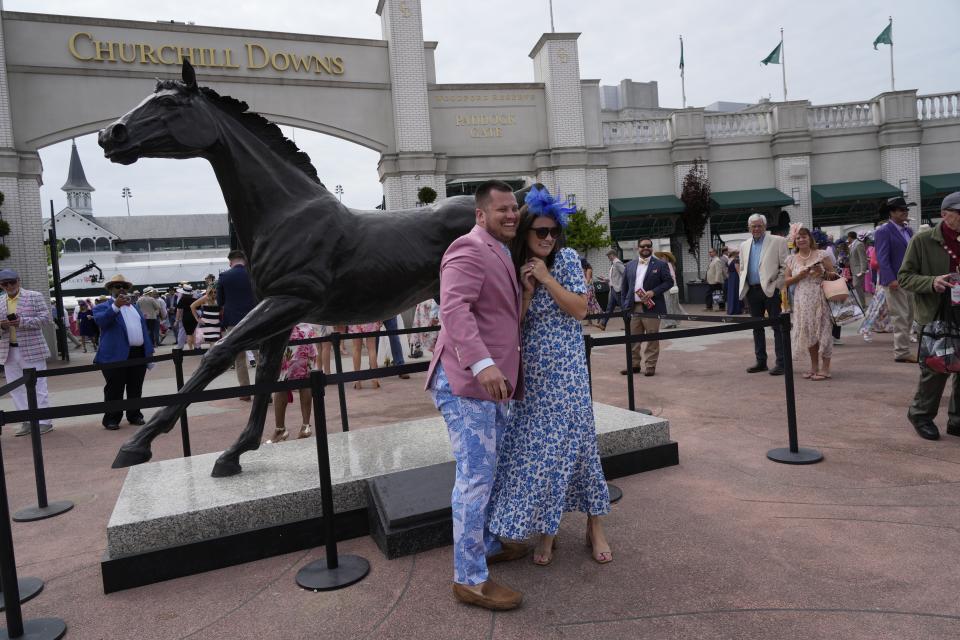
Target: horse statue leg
(271,356)
(274,316)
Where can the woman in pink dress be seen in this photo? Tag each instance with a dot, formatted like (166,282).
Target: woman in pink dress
(356,348)
(298,362)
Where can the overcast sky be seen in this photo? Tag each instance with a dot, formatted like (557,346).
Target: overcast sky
(828,53)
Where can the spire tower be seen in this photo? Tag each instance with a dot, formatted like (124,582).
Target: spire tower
(78,189)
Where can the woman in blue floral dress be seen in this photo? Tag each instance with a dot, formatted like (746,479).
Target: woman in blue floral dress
(548,462)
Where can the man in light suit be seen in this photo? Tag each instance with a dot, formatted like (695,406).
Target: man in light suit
(763,258)
(22,345)
(891,240)
(474,374)
(645,280)
(859,266)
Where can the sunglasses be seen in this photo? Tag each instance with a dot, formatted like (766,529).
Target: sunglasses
(7,283)
(123,287)
(543,232)
(646,246)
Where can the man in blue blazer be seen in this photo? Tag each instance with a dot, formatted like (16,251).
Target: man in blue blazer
(235,297)
(645,280)
(891,241)
(123,336)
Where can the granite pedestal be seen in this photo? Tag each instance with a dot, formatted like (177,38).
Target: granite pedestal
(173,519)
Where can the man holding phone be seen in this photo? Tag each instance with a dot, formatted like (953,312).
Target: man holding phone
(22,345)
(473,377)
(123,336)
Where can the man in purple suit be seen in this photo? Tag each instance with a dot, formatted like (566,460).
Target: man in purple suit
(891,241)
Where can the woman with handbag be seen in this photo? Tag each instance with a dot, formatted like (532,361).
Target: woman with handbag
(812,323)
(671,297)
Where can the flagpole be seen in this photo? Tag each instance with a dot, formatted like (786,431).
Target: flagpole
(892,85)
(683,81)
(783,65)
(552,30)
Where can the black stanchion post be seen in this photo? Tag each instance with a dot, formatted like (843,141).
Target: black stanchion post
(41,628)
(333,572)
(588,347)
(341,394)
(631,400)
(794,454)
(26,587)
(184,425)
(43,508)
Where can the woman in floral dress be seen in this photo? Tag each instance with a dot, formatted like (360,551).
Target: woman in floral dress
(298,362)
(356,346)
(548,461)
(812,324)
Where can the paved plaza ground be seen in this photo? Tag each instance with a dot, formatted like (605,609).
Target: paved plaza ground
(725,545)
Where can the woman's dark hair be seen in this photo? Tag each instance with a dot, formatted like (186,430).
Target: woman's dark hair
(519,249)
(803,231)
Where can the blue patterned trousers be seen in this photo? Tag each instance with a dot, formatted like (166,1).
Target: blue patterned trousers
(475,428)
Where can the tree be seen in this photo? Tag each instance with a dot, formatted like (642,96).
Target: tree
(696,213)
(585,232)
(426,195)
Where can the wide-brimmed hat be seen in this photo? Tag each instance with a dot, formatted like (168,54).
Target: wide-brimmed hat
(148,289)
(186,289)
(898,203)
(117,279)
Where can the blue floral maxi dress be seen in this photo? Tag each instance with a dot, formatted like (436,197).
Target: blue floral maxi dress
(548,462)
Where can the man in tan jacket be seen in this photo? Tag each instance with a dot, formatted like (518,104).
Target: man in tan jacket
(716,275)
(763,258)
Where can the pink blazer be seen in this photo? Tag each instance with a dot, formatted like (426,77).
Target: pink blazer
(479,313)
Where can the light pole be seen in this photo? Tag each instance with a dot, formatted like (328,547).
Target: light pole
(126,195)
(339,191)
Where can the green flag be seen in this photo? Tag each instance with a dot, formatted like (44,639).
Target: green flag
(885,37)
(774,57)
(681,54)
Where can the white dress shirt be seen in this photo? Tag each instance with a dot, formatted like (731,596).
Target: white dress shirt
(641,274)
(131,320)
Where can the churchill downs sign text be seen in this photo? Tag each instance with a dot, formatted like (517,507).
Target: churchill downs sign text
(84,46)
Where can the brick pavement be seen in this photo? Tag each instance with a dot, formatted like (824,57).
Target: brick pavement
(725,545)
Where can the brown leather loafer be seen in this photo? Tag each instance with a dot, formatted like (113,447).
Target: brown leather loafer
(488,595)
(912,359)
(509,551)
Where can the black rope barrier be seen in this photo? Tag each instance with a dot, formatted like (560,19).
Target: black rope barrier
(43,509)
(39,628)
(334,571)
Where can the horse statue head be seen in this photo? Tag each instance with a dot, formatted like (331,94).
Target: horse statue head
(175,121)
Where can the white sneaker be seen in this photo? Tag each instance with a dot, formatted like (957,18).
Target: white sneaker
(867,337)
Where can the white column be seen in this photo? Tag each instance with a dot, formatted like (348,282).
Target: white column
(793,179)
(900,166)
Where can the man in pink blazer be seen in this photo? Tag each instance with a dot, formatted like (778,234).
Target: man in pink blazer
(474,375)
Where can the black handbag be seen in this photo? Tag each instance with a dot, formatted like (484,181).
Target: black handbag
(939,348)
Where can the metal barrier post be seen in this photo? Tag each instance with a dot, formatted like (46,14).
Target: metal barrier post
(341,393)
(794,454)
(334,572)
(43,508)
(184,425)
(41,628)
(631,399)
(27,588)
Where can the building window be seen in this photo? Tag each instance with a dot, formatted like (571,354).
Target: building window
(71,246)
(103,244)
(199,243)
(134,246)
(166,244)
(87,244)
(223,242)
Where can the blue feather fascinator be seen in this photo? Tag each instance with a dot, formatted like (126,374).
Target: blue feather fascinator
(540,203)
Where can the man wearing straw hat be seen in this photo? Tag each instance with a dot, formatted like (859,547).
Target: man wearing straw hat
(22,345)
(123,336)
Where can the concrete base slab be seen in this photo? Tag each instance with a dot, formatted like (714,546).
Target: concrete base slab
(172,518)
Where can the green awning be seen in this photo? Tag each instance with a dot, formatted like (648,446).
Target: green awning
(852,191)
(940,184)
(645,206)
(652,226)
(750,199)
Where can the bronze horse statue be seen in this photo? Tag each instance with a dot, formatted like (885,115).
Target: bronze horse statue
(311,259)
